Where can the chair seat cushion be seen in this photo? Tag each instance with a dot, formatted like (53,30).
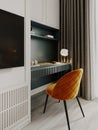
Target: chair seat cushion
(50,89)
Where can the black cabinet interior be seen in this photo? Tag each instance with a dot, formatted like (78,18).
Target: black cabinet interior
(44,42)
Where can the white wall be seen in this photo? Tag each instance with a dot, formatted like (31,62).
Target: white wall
(13,76)
(15,6)
(96,87)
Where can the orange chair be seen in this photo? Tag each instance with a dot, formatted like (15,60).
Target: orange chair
(67,87)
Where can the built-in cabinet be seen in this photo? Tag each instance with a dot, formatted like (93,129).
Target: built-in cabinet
(44,49)
(45,12)
(37,10)
(52,9)
(44,42)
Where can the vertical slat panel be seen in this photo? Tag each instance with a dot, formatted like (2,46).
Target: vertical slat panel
(19,94)
(13,106)
(12,97)
(26,92)
(10,117)
(5,119)
(26,112)
(1,121)
(5,100)
(16,96)
(0,102)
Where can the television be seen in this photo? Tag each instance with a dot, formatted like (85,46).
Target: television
(11,40)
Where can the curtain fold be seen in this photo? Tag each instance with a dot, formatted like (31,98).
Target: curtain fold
(75,26)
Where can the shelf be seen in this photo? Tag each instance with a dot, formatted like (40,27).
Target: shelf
(46,27)
(43,37)
(44,42)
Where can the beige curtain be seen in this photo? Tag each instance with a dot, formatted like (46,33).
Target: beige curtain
(75,26)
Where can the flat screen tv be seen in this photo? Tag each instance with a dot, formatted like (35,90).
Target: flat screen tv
(11,40)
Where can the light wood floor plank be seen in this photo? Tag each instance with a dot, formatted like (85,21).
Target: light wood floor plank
(55,119)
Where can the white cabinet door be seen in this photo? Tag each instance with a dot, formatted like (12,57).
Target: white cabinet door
(52,12)
(37,10)
(45,12)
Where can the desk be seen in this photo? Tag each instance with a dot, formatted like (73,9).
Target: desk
(43,75)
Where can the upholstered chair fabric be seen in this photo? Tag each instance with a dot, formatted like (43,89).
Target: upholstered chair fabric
(67,87)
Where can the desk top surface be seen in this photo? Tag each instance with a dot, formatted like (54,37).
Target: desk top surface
(47,65)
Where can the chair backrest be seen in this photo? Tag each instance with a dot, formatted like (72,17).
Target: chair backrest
(68,85)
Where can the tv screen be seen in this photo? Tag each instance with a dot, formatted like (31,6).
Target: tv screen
(11,40)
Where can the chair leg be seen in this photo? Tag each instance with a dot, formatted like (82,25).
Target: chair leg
(65,106)
(46,103)
(80,106)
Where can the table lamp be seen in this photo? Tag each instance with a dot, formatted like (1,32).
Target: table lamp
(64,53)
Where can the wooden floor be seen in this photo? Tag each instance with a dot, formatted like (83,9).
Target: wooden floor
(55,119)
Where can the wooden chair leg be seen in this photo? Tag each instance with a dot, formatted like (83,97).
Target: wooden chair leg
(45,103)
(65,106)
(80,106)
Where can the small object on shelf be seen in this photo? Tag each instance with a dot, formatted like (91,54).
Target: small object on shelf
(43,37)
(49,36)
(34,62)
(64,53)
